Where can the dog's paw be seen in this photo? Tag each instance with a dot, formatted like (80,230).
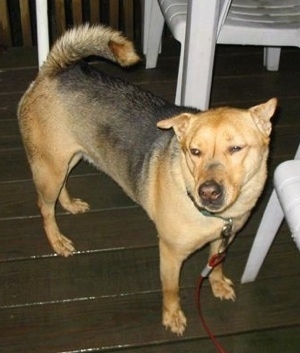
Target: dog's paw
(223,288)
(63,246)
(175,321)
(76,206)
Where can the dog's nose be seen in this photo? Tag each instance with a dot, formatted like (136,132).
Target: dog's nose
(210,192)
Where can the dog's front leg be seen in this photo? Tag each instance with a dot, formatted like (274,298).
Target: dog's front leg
(220,285)
(170,265)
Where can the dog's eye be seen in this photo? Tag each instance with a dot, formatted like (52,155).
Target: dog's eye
(235,149)
(195,152)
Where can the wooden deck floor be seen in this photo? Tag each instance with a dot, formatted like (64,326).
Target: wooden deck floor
(107,296)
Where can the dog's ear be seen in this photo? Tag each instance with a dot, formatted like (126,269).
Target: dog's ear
(262,115)
(179,123)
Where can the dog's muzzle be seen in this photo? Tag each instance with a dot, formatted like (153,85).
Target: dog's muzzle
(211,194)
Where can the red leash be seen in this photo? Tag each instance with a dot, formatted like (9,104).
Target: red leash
(213,262)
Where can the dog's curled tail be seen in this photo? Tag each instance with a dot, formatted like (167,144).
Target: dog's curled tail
(84,41)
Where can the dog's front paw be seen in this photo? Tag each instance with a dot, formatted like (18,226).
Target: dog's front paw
(223,288)
(175,321)
(63,246)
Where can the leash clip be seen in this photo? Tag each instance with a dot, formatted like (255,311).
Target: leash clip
(226,234)
(214,261)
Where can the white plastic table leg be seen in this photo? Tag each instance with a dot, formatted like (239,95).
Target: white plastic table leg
(199,51)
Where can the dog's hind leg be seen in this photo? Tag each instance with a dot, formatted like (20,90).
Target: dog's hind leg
(68,203)
(49,180)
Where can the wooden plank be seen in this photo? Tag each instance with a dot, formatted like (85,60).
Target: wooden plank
(99,190)
(9,127)
(60,17)
(19,171)
(234,60)
(95,11)
(122,270)
(258,87)
(25,22)
(16,83)
(133,320)
(19,234)
(54,279)
(14,165)
(17,58)
(279,340)
(5,31)
(166,74)
(77,12)
(109,195)
(91,232)
(8,106)
(231,91)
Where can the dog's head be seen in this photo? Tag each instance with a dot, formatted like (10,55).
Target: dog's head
(223,150)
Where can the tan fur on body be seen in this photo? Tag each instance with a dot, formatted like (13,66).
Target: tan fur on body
(217,157)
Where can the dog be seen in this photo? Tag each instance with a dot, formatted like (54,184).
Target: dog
(178,163)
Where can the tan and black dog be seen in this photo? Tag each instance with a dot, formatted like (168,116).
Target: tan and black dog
(173,161)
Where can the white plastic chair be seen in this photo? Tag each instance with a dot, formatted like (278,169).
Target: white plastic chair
(284,202)
(200,24)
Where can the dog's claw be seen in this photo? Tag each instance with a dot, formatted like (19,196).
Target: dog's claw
(174,321)
(63,246)
(223,289)
(76,206)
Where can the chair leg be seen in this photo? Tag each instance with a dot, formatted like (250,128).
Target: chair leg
(199,51)
(265,235)
(272,58)
(179,77)
(287,185)
(153,28)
